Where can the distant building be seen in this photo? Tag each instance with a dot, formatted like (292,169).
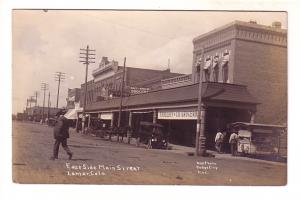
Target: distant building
(107,81)
(36,113)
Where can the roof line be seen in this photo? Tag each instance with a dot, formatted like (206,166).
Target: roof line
(189,86)
(239,23)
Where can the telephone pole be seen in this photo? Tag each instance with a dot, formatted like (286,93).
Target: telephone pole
(44,87)
(36,93)
(59,77)
(121,97)
(26,104)
(31,99)
(48,111)
(200,149)
(87,56)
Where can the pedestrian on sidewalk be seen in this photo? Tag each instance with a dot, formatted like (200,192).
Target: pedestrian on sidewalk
(61,134)
(219,139)
(233,142)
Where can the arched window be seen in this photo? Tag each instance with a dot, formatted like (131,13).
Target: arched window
(198,64)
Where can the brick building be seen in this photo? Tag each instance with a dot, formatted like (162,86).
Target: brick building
(249,54)
(107,81)
(245,79)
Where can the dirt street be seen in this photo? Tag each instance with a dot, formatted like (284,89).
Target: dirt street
(97,161)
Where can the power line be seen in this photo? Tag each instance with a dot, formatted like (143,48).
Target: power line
(152,33)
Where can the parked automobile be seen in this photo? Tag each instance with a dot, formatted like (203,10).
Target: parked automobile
(152,135)
(258,139)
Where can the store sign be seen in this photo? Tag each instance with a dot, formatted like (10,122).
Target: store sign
(137,90)
(106,116)
(178,115)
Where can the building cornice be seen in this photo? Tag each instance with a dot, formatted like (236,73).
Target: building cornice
(98,71)
(252,32)
(239,24)
(197,48)
(261,36)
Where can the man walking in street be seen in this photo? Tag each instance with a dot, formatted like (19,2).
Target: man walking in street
(61,133)
(233,143)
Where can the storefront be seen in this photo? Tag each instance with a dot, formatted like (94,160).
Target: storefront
(180,123)
(176,110)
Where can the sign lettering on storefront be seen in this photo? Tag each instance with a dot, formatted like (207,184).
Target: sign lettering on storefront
(105,116)
(137,90)
(177,115)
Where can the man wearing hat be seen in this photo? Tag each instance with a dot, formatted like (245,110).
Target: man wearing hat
(61,134)
(233,142)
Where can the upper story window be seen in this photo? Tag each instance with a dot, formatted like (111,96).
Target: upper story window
(206,68)
(224,65)
(215,68)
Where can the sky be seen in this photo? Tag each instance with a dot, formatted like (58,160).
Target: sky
(49,41)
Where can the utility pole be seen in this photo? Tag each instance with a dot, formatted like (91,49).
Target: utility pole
(48,111)
(36,93)
(121,97)
(86,59)
(30,111)
(59,77)
(200,138)
(31,99)
(26,104)
(44,87)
